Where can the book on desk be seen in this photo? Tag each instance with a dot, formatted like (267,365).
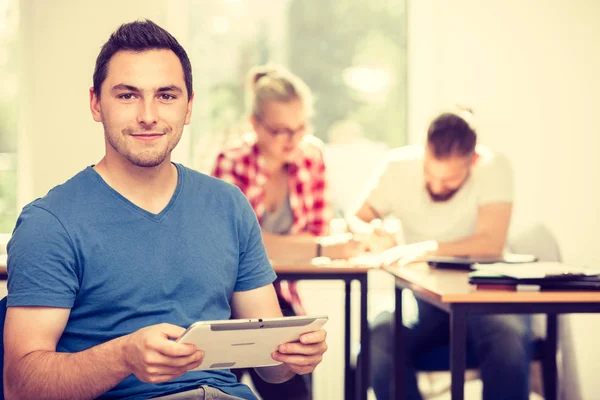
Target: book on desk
(470,263)
(407,253)
(543,275)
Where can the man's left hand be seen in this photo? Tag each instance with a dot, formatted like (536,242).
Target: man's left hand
(303,356)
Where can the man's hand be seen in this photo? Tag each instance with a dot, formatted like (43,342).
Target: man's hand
(303,356)
(341,246)
(153,357)
(380,240)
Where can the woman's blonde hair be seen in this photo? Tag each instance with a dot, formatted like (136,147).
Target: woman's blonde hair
(275,83)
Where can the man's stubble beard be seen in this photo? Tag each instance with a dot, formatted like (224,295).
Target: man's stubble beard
(144,159)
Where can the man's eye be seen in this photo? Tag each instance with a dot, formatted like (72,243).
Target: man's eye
(167,97)
(126,96)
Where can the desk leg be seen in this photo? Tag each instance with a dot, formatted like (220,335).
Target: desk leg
(365,344)
(398,388)
(348,390)
(458,344)
(549,364)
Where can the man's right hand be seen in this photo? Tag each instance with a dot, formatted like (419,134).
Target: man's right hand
(153,357)
(380,240)
(341,246)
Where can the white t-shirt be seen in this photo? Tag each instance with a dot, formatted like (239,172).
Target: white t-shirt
(398,189)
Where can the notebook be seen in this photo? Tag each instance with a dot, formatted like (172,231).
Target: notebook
(400,253)
(551,276)
(470,263)
(539,270)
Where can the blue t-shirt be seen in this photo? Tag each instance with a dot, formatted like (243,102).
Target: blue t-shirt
(120,268)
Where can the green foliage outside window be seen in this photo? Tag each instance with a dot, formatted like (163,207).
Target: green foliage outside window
(332,41)
(351,53)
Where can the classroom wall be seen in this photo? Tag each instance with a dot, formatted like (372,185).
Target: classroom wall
(60,42)
(530,71)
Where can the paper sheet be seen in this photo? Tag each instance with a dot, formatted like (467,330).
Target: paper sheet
(538,270)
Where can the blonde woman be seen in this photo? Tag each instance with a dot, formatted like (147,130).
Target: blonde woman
(279,167)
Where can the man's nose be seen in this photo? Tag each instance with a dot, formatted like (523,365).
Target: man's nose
(147,113)
(436,186)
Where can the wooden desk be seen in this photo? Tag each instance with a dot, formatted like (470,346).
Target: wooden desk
(450,291)
(347,273)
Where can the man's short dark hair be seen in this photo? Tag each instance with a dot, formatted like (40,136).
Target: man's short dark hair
(451,135)
(140,36)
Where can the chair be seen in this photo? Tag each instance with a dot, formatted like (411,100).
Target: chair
(537,240)
(540,241)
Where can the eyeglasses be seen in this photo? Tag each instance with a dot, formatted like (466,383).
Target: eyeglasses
(280,132)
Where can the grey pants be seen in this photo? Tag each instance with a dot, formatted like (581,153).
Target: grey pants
(202,393)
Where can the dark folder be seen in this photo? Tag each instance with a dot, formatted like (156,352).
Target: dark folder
(555,282)
(467,263)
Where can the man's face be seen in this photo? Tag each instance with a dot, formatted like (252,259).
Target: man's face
(143,106)
(445,177)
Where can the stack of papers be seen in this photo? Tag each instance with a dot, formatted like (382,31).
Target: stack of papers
(401,253)
(539,270)
(507,258)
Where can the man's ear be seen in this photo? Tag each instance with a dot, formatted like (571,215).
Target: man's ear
(474,159)
(95,106)
(188,113)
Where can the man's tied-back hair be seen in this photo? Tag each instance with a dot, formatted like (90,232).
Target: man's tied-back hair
(450,134)
(140,36)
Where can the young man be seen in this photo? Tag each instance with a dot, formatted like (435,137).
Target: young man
(109,267)
(460,196)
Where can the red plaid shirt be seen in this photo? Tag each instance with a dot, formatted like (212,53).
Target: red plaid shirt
(244,167)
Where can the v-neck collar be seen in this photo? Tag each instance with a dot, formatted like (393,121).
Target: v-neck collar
(145,213)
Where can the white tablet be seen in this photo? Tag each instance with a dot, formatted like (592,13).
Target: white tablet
(246,343)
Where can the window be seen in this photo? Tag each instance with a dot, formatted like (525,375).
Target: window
(351,53)
(8,113)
